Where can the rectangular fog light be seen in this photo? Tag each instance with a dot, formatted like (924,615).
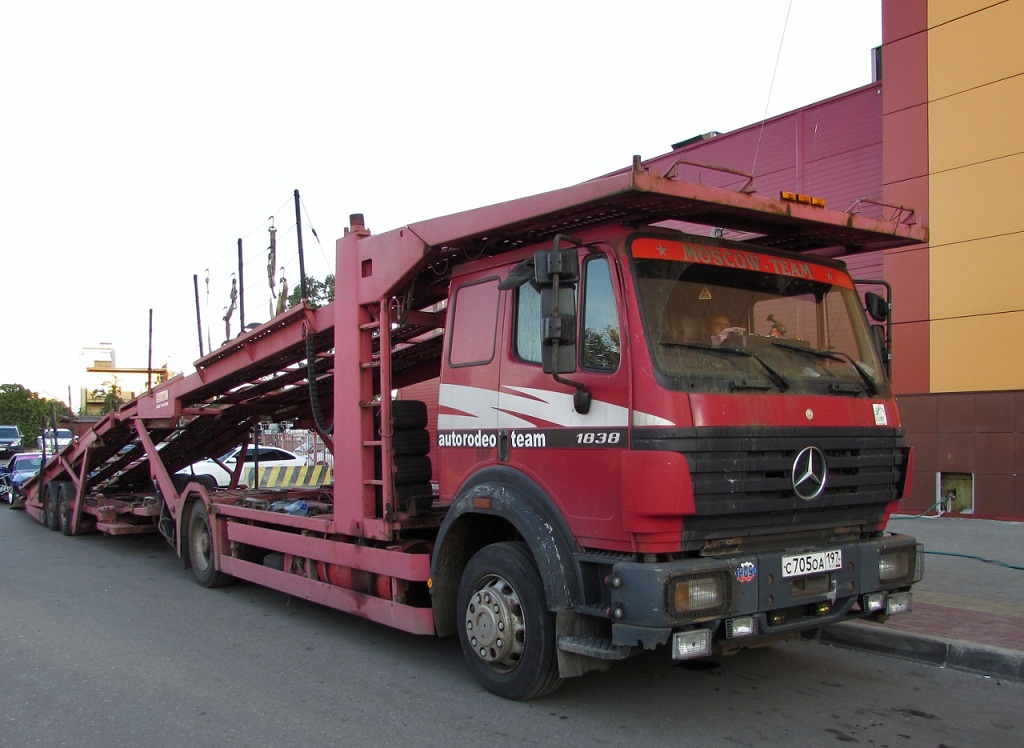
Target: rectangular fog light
(689,644)
(874,602)
(741,626)
(898,602)
(896,565)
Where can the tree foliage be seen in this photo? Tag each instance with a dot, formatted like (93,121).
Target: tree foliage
(602,349)
(320,292)
(112,400)
(23,408)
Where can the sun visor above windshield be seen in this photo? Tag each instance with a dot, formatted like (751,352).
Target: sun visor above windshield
(738,258)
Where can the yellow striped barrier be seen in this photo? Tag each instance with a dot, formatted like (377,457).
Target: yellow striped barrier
(289,477)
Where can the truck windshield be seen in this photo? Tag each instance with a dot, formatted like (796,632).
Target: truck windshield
(720,317)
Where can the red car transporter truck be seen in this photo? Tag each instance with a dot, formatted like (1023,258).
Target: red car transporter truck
(610,471)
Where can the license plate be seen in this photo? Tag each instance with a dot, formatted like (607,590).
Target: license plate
(811,563)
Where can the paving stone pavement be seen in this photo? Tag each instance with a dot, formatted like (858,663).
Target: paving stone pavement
(968,611)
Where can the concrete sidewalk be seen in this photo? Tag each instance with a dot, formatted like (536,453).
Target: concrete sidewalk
(968,611)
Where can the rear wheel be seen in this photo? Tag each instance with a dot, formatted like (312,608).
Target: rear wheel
(65,504)
(45,504)
(201,549)
(506,630)
(208,481)
(50,517)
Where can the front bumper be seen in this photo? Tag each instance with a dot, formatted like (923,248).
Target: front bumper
(754,599)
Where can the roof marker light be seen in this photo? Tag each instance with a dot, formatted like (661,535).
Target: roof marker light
(799,197)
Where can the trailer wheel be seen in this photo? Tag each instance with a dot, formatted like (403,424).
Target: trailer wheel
(206,480)
(200,549)
(64,505)
(50,517)
(507,632)
(45,503)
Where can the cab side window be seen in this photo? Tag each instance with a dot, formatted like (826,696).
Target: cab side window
(527,335)
(474,323)
(602,345)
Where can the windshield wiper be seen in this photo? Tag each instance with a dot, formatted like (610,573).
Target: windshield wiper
(869,382)
(776,378)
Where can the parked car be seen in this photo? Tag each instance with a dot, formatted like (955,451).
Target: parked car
(10,440)
(55,440)
(13,475)
(268,457)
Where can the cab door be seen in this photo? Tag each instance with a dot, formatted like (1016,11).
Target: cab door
(467,414)
(572,454)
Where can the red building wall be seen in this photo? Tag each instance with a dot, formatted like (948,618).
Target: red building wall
(874,142)
(831,149)
(904,124)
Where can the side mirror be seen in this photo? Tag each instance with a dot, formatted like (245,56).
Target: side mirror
(876,306)
(563,263)
(878,337)
(556,272)
(558,330)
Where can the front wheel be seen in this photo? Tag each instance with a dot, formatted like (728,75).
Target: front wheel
(200,549)
(506,630)
(6,489)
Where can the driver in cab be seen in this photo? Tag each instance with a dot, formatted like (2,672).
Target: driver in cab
(719,327)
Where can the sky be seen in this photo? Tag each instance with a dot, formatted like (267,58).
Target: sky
(140,141)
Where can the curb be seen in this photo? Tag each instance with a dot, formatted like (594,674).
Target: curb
(996,662)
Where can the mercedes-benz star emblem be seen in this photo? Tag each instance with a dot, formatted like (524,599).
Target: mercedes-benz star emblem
(810,472)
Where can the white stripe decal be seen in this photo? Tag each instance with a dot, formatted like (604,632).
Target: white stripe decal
(556,407)
(647,419)
(480,407)
(480,410)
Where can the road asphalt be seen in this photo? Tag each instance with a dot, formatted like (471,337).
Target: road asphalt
(967,612)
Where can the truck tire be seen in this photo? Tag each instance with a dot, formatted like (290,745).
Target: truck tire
(51,518)
(65,502)
(408,414)
(507,632)
(207,480)
(411,442)
(411,469)
(200,549)
(418,495)
(44,516)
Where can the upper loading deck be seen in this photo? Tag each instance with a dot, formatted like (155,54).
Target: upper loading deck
(263,373)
